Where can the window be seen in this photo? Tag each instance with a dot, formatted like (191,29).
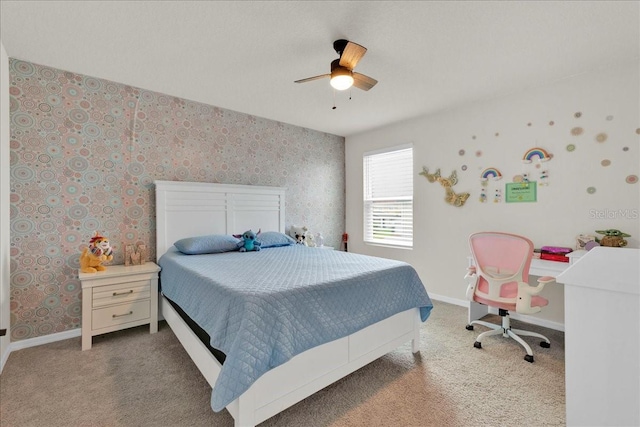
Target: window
(388,197)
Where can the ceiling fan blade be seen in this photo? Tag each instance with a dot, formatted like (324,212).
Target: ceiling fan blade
(309,79)
(363,82)
(351,54)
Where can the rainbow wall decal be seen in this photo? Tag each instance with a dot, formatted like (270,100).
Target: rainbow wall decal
(540,153)
(490,173)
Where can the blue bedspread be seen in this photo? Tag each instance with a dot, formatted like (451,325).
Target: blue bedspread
(262,308)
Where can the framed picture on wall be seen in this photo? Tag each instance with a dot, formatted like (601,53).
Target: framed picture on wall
(520,192)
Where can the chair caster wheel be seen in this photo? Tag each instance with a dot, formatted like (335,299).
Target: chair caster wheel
(528,358)
(545,344)
(477,344)
(469,327)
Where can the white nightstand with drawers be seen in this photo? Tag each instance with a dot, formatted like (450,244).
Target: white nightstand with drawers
(119,297)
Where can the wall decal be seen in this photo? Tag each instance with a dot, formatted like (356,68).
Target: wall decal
(578,115)
(571,147)
(451,197)
(591,190)
(601,137)
(605,162)
(488,174)
(577,131)
(536,153)
(631,179)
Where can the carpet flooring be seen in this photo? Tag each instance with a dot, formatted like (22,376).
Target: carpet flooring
(133,378)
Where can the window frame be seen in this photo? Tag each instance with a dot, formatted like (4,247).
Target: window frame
(405,240)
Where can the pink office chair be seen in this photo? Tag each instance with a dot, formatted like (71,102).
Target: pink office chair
(500,279)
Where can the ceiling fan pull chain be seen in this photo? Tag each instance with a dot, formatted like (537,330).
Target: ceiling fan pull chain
(334,100)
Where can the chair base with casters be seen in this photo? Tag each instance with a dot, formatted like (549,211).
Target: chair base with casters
(507,332)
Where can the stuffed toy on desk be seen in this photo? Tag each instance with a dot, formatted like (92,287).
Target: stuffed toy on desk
(249,241)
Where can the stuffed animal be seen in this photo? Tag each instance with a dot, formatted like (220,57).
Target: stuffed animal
(613,238)
(249,241)
(300,234)
(99,251)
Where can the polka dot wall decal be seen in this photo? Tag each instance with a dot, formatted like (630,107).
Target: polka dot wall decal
(577,131)
(473,137)
(601,137)
(632,179)
(464,167)
(551,123)
(609,118)
(591,190)
(605,162)
(497,133)
(625,148)
(638,131)
(461,152)
(578,115)
(571,147)
(529,124)
(478,153)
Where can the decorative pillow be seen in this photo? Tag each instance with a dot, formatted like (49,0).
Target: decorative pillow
(210,244)
(273,239)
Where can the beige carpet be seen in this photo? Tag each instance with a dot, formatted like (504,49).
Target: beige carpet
(133,378)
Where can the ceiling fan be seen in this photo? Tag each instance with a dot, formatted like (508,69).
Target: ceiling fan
(342,74)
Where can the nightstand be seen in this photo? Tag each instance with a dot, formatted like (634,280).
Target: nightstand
(118,298)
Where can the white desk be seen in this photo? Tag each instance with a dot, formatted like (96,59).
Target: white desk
(602,338)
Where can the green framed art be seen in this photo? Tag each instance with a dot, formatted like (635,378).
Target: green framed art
(520,192)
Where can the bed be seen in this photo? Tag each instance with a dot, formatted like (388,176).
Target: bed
(270,328)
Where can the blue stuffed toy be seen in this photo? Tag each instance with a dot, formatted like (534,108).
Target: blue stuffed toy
(249,241)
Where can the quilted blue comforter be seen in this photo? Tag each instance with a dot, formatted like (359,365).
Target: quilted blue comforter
(262,308)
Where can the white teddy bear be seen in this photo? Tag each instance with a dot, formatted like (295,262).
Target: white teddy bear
(302,235)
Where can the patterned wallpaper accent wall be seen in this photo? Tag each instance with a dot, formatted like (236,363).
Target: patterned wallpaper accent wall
(85,153)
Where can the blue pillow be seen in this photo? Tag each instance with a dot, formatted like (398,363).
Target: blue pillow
(211,244)
(273,239)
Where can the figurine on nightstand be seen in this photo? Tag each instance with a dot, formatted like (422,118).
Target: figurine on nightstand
(99,251)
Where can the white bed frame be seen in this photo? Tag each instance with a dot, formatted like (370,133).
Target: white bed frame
(185,209)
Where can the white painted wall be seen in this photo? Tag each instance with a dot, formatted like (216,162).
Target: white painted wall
(564,209)
(4,203)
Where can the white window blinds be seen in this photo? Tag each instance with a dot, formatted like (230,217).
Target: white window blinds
(388,197)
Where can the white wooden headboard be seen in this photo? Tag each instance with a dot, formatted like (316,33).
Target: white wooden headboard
(188,209)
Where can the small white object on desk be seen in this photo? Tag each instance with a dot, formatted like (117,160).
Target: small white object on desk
(118,298)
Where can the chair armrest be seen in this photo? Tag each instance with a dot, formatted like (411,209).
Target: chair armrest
(472,281)
(526,292)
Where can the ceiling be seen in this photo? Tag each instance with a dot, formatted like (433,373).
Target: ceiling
(245,55)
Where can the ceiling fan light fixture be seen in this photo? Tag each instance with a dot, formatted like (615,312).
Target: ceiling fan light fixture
(341,78)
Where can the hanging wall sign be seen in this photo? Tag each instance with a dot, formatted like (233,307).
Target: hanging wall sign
(519,192)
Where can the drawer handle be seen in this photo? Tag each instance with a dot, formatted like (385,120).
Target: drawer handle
(115,294)
(121,315)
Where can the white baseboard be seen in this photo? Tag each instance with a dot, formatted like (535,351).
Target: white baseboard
(454,301)
(528,319)
(45,339)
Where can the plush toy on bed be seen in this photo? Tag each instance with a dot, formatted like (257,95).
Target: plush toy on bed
(99,251)
(299,234)
(249,241)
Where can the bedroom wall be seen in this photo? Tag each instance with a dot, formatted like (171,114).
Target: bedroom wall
(85,153)
(596,115)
